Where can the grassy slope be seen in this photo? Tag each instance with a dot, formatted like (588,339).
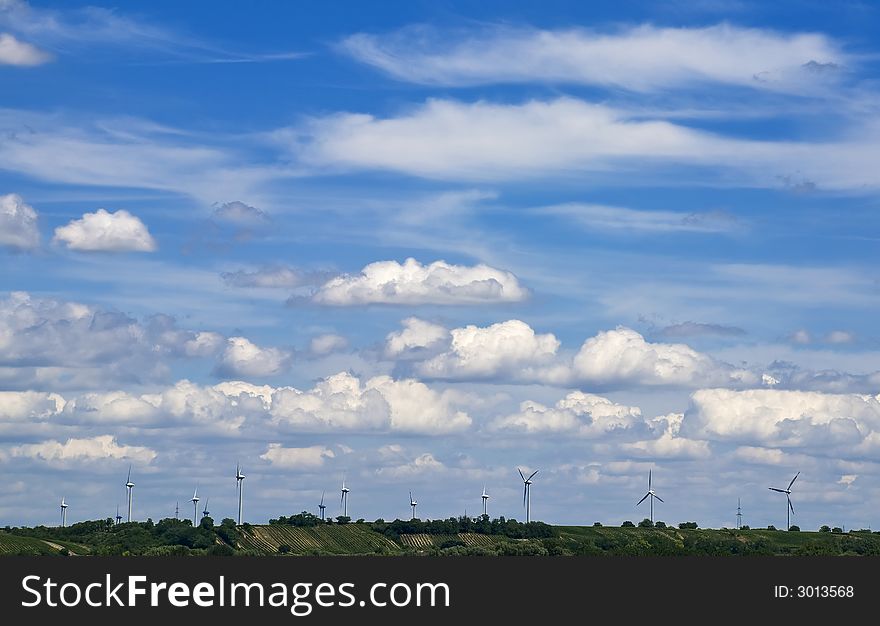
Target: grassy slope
(12,544)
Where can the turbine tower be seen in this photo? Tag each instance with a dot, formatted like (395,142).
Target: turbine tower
(527,493)
(739,514)
(485,498)
(239,477)
(652,495)
(118,516)
(129,486)
(789,509)
(344,501)
(195,501)
(63,512)
(413,504)
(322,506)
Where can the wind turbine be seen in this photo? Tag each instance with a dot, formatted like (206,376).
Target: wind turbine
(652,495)
(344,501)
(739,514)
(177,510)
(239,477)
(129,486)
(63,512)
(485,498)
(527,493)
(413,504)
(118,516)
(322,506)
(195,501)
(205,512)
(789,509)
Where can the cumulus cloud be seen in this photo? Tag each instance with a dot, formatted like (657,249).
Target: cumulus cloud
(241,357)
(205,343)
(13,51)
(423,464)
(839,337)
(106,232)
(760,456)
(240,214)
(639,58)
(100,448)
(415,338)
(45,341)
(780,418)
(847,480)
(16,406)
(343,401)
(390,282)
(624,356)
(327,343)
(578,413)
(18,223)
(510,347)
(312,457)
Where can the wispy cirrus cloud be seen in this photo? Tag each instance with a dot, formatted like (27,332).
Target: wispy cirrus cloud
(641,58)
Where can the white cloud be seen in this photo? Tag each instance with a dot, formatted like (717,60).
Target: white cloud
(839,337)
(389,282)
(578,413)
(567,137)
(107,232)
(343,401)
(760,456)
(770,417)
(241,214)
(414,338)
(13,51)
(638,58)
(669,446)
(205,343)
(103,447)
(801,337)
(18,223)
(847,479)
(419,466)
(623,356)
(44,341)
(272,277)
(510,347)
(327,343)
(244,358)
(17,406)
(627,221)
(312,457)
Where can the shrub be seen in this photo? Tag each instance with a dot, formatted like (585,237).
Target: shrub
(646,523)
(627,524)
(825,529)
(284,548)
(597,524)
(659,524)
(794,529)
(688,525)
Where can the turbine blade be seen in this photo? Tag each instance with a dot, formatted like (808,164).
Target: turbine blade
(533,474)
(790,506)
(658,497)
(322,497)
(793,479)
(775,489)
(643,499)
(649,480)
(128,480)
(523,476)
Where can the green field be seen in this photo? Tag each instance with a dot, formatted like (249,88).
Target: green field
(15,545)
(171,537)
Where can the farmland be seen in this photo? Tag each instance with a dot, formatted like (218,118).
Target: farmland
(14,545)
(439,537)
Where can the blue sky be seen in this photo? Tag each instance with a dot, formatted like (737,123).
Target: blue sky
(426,243)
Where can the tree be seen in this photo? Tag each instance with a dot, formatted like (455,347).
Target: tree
(628,524)
(745,527)
(646,523)
(794,529)
(825,529)
(597,524)
(343,519)
(659,524)
(688,525)
(283,548)
(771,527)
(837,529)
